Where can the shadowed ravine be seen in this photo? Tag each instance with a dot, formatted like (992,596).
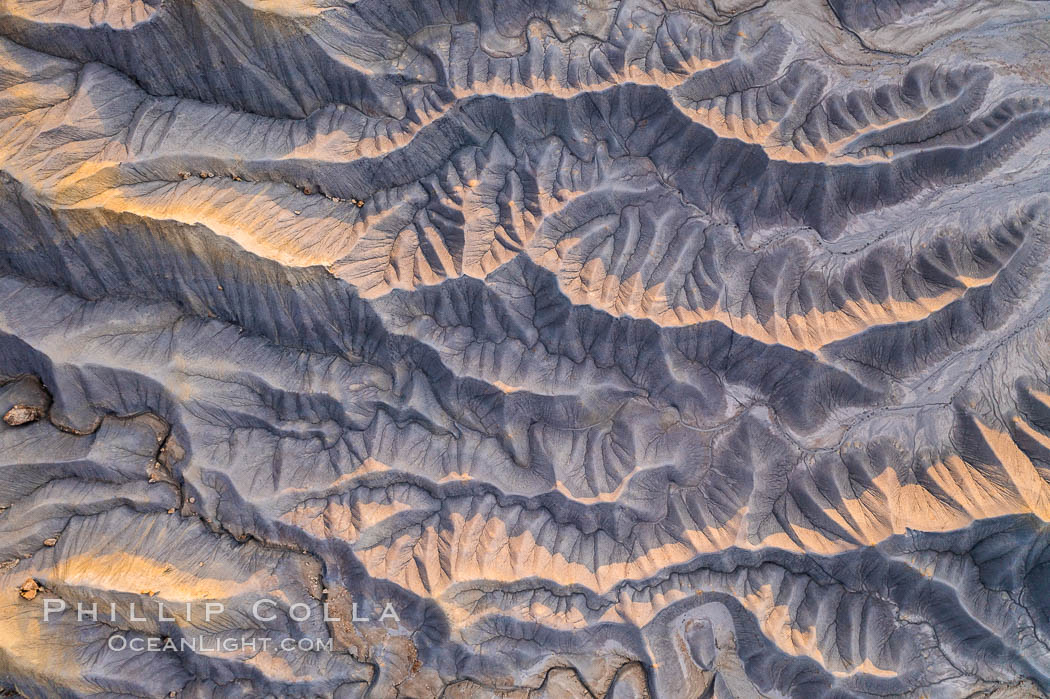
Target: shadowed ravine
(533,349)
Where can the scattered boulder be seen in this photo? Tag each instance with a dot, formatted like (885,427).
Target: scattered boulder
(29,589)
(22,415)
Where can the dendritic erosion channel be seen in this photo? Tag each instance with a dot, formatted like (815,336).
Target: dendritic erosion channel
(533,349)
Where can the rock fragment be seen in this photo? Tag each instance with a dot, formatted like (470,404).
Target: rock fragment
(29,589)
(22,415)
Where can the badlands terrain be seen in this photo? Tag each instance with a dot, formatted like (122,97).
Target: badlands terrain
(558,349)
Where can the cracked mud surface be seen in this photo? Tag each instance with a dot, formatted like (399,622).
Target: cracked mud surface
(626,349)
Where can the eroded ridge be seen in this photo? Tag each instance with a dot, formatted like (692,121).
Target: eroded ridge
(620,349)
